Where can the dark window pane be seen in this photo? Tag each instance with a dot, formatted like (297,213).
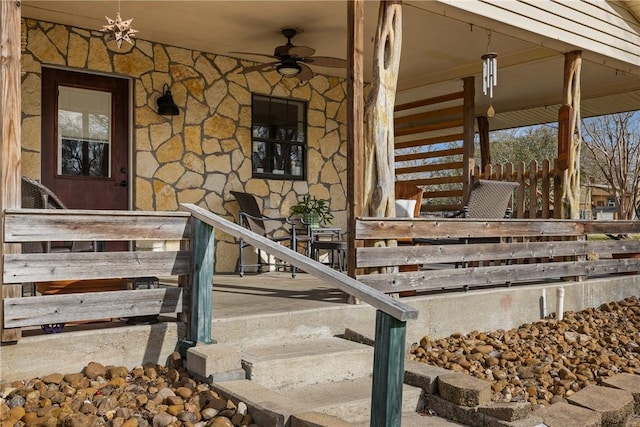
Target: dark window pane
(85,158)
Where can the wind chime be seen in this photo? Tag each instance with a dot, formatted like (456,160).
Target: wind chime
(118,29)
(489,74)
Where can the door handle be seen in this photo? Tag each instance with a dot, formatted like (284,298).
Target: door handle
(122,183)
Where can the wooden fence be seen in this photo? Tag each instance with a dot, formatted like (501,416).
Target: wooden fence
(449,254)
(43,225)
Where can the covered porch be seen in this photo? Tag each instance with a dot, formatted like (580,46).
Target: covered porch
(198,243)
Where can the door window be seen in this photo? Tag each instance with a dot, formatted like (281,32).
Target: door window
(84,132)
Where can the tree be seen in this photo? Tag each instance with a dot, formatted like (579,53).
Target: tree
(612,146)
(523,144)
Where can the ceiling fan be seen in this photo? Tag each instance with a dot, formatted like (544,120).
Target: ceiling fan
(292,60)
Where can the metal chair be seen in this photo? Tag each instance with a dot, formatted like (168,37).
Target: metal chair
(252,218)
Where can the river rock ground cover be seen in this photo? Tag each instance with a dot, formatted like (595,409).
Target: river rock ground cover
(544,362)
(150,395)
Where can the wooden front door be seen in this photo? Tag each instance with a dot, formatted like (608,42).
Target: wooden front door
(85,139)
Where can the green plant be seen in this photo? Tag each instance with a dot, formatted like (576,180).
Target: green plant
(313,211)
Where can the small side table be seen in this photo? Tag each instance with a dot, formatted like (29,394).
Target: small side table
(337,251)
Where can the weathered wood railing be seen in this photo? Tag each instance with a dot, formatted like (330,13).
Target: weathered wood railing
(391,315)
(38,225)
(466,253)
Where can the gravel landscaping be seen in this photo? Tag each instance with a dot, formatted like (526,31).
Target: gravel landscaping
(545,361)
(113,396)
(542,363)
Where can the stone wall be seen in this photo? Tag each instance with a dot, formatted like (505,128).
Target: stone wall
(203,153)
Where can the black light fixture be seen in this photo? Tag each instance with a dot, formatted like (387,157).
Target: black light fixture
(289,68)
(166,106)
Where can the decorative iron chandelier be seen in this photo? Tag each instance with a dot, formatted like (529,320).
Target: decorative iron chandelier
(118,29)
(489,74)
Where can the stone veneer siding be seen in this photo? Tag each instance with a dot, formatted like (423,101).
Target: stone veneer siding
(205,152)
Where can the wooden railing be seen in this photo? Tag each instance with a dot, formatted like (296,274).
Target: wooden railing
(391,314)
(43,225)
(467,253)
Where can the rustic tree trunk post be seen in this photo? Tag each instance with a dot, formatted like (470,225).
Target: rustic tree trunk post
(355,125)
(10,171)
(379,131)
(569,139)
(469,133)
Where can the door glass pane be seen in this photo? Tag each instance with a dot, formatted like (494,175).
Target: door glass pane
(84,132)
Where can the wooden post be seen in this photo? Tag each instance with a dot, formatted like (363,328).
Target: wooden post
(485,143)
(202,264)
(379,148)
(468,131)
(355,125)
(10,137)
(388,371)
(570,139)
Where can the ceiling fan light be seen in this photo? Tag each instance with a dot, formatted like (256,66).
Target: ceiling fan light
(289,69)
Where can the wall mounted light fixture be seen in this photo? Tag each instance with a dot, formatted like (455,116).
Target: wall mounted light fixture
(166,106)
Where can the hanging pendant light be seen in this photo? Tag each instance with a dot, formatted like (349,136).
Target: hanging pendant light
(489,74)
(118,29)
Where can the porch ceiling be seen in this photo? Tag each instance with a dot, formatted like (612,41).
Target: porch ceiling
(437,50)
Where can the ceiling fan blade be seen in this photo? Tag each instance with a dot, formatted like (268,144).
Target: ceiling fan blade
(257,54)
(301,51)
(326,61)
(258,67)
(305,72)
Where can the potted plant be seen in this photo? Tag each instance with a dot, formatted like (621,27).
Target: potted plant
(313,211)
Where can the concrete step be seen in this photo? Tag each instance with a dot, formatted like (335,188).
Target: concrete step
(348,400)
(345,400)
(298,363)
(415,419)
(293,324)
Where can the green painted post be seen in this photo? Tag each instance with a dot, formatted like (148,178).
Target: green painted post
(202,262)
(388,371)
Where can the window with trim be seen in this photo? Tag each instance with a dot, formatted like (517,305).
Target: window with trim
(278,138)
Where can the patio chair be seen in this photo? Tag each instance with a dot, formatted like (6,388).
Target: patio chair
(489,199)
(252,218)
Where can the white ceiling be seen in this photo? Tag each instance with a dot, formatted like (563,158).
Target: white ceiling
(436,51)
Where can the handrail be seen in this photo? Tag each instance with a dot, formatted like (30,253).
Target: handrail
(379,300)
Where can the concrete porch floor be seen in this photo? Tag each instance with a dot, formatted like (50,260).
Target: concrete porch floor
(273,292)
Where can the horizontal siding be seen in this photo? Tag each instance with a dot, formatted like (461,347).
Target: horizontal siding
(593,25)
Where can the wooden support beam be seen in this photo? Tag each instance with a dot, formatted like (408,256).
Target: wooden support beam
(570,139)
(430,101)
(485,143)
(10,137)
(468,130)
(202,263)
(429,141)
(388,371)
(355,124)
(429,155)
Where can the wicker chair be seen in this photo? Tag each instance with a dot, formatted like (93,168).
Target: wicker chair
(489,199)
